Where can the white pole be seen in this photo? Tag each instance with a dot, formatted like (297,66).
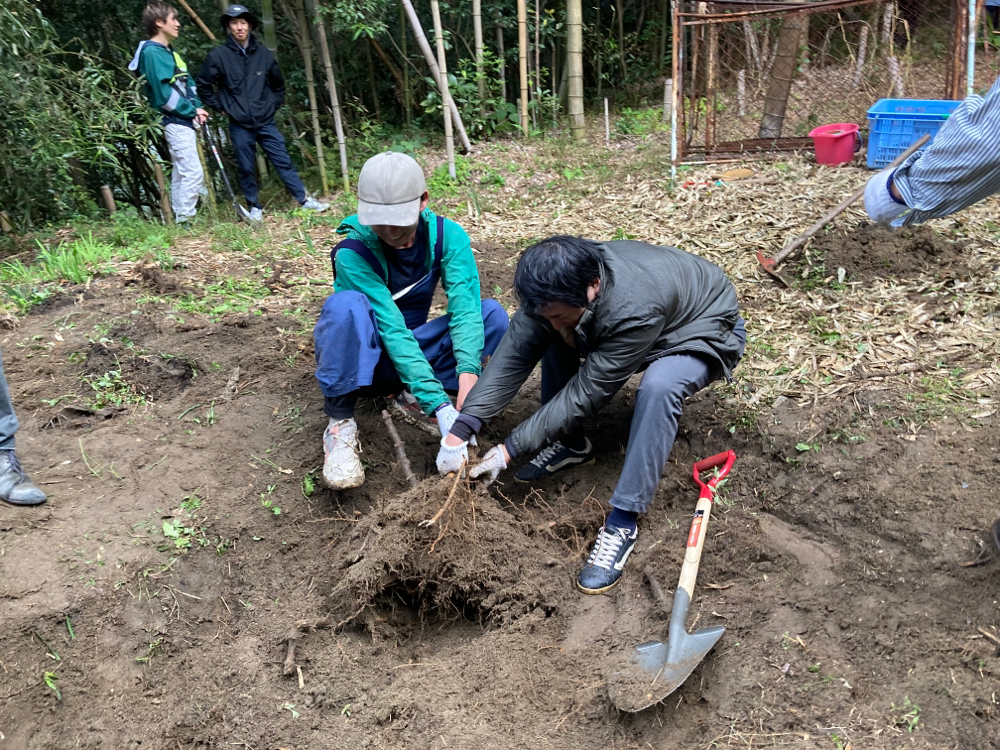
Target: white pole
(607,125)
(970,65)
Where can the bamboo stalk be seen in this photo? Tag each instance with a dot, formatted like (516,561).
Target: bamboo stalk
(522,61)
(201,24)
(161,185)
(574,64)
(449,140)
(406,69)
(267,23)
(477,30)
(503,62)
(538,61)
(425,47)
(306,49)
(384,57)
(109,200)
(331,88)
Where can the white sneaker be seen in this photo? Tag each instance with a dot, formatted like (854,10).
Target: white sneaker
(342,467)
(256,214)
(312,204)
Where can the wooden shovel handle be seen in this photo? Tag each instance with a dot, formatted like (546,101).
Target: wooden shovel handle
(804,237)
(703,511)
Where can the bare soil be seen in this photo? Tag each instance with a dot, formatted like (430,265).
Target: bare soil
(856,579)
(868,250)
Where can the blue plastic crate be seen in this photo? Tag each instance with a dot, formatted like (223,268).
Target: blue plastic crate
(894,124)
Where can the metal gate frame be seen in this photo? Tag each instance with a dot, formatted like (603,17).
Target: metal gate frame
(689,15)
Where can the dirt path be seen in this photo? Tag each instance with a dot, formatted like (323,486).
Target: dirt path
(166,580)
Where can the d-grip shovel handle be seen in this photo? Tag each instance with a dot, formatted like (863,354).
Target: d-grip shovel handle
(699,524)
(722,461)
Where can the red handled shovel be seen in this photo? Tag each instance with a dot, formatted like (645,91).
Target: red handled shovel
(656,669)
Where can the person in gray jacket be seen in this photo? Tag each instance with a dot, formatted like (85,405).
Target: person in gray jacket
(594,315)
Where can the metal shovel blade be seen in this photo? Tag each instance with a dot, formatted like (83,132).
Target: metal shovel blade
(241,211)
(656,669)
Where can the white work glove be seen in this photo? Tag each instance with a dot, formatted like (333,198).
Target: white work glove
(451,457)
(490,467)
(446,416)
(879,202)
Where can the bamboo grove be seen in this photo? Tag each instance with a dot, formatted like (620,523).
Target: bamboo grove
(361,75)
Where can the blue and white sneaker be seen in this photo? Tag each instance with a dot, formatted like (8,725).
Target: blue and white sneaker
(607,560)
(553,459)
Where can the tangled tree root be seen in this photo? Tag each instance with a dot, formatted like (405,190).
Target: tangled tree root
(475,559)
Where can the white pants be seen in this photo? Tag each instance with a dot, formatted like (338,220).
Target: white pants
(187,178)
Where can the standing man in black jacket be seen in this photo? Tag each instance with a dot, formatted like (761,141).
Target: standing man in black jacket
(621,308)
(242,79)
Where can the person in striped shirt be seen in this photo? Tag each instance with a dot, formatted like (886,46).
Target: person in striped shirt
(960,167)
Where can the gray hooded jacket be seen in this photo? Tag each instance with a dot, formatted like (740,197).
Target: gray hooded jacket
(653,301)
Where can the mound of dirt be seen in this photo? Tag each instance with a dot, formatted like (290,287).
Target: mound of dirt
(870,251)
(475,559)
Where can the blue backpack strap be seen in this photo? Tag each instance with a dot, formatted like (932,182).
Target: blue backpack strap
(439,245)
(361,249)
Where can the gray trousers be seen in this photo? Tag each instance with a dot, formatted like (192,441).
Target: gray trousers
(8,419)
(658,405)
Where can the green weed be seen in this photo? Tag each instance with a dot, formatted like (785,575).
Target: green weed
(227,296)
(640,122)
(308,484)
(51,680)
(266,501)
(111,389)
(907,714)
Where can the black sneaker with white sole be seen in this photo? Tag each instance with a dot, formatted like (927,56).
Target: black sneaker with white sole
(557,457)
(607,560)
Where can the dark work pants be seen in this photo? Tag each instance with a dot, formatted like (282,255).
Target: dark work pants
(245,142)
(658,405)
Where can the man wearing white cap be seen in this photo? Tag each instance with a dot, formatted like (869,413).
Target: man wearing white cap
(373,337)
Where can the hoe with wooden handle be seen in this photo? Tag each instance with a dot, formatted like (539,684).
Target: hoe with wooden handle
(770,265)
(656,669)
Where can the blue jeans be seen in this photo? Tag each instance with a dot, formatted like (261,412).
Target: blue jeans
(245,142)
(351,363)
(8,419)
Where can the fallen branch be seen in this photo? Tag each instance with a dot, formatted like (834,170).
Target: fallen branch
(302,626)
(404,462)
(230,390)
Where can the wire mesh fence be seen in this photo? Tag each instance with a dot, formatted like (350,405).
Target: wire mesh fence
(759,76)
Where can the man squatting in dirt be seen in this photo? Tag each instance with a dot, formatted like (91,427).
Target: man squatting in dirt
(960,167)
(171,91)
(373,337)
(622,308)
(15,486)
(241,79)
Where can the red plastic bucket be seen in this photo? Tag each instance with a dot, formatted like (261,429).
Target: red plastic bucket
(835,144)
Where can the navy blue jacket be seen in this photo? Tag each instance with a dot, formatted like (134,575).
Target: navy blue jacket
(245,84)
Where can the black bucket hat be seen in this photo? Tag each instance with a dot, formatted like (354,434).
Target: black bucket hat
(239,11)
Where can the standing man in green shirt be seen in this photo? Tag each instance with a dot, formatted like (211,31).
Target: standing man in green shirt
(373,337)
(172,92)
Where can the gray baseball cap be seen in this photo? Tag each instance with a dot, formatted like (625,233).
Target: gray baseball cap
(389,190)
